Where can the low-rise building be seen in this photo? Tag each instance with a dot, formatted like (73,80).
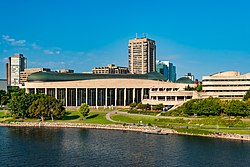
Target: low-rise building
(110,69)
(101,90)
(28,71)
(3,84)
(226,85)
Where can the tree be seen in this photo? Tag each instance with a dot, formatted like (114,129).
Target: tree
(159,107)
(141,106)
(2,94)
(46,107)
(19,105)
(84,109)
(199,88)
(247,96)
(133,105)
(237,108)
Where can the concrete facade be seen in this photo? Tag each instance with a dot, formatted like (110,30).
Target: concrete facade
(3,84)
(15,65)
(110,69)
(142,56)
(104,92)
(226,85)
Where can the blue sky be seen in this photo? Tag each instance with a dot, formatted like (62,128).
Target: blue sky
(201,37)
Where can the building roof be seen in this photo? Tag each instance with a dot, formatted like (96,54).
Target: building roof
(54,76)
(226,73)
(184,80)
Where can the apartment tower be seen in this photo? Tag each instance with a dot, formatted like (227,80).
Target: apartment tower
(142,55)
(15,65)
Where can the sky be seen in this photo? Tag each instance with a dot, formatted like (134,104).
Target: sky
(201,37)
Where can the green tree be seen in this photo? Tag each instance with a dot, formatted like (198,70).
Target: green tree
(141,106)
(19,105)
(159,107)
(2,94)
(199,88)
(46,107)
(236,108)
(247,96)
(84,109)
(133,105)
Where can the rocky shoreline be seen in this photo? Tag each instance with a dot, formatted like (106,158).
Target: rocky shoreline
(144,129)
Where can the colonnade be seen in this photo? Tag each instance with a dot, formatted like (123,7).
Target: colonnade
(95,96)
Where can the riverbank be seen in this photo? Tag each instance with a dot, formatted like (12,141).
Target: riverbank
(144,129)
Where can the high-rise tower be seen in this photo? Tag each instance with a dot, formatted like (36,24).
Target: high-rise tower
(142,55)
(15,65)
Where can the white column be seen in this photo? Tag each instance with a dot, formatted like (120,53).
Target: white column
(46,91)
(106,97)
(133,95)
(125,93)
(76,97)
(86,95)
(35,90)
(96,96)
(66,97)
(115,96)
(56,93)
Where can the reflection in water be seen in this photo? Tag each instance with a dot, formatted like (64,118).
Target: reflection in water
(27,146)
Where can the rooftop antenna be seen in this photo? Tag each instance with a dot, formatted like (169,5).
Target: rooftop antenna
(145,35)
(136,35)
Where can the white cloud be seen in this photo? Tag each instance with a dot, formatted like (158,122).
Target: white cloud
(14,42)
(35,46)
(51,52)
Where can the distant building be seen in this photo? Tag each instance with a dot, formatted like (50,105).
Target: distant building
(110,69)
(142,55)
(167,69)
(66,71)
(190,76)
(28,71)
(226,85)
(3,84)
(15,65)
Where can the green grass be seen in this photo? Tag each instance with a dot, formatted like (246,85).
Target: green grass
(194,131)
(234,131)
(133,119)
(95,117)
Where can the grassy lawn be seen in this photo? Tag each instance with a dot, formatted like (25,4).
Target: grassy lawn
(95,117)
(177,123)
(243,131)
(133,119)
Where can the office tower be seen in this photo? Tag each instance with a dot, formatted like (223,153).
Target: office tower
(15,65)
(167,69)
(142,55)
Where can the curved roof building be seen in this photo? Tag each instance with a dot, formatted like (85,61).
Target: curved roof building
(184,80)
(73,89)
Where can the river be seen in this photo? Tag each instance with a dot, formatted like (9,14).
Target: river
(34,146)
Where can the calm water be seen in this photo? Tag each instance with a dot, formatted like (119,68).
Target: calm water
(85,147)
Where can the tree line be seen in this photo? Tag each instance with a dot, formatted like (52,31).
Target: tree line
(22,105)
(214,107)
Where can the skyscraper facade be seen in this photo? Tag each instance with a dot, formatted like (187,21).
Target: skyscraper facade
(142,55)
(167,69)
(15,65)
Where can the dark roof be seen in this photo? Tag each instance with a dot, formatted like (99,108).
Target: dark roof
(54,76)
(184,80)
